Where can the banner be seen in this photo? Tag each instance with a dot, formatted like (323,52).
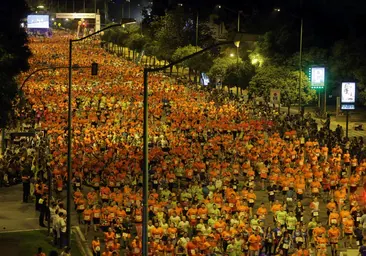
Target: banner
(275,96)
(75,15)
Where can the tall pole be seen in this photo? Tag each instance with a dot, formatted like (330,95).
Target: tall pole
(197,32)
(145,165)
(145,170)
(69,133)
(95,6)
(238,21)
(325,99)
(69,141)
(347,112)
(3,140)
(300,62)
(73,5)
(129,9)
(84,6)
(123,11)
(105,11)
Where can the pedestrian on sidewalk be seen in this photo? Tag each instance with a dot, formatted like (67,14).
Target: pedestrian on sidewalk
(53,253)
(62,227)
(38,194)
(43,210)
(40,252)
(56,228)
(66,251)
(26,185)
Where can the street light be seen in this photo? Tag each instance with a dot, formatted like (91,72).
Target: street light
(231,54)
(300,49)
(69,125)
(145,167)
(230,10)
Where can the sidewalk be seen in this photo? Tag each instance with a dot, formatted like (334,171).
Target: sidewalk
(333,123)
(14,214)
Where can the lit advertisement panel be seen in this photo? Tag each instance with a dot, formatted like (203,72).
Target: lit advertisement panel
(38,21)
(348,92)
(317,77)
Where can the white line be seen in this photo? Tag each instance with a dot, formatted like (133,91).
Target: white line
(21,230)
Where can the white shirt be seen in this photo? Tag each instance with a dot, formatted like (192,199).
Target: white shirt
(63,211)
(55,221)
(62,224)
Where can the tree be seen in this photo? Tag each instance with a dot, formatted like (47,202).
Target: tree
(348,63)
(200,63)
(177,29)
(283,78)
(221,65)
(136,42)
(14,53)
(239,75)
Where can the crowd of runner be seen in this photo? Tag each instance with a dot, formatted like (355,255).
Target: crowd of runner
(227,177)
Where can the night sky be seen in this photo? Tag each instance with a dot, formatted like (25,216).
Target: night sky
(324,20)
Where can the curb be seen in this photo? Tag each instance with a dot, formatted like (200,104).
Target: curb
(81,242)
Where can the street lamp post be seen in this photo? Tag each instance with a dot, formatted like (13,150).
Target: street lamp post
(300,62)
(238,12)
(69,132)
(237,48)
(300,50)
(145,182)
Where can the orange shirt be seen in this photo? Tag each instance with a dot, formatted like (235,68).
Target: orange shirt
(333,218)
(348,226)
(254,242)
(88,213)
(334,234)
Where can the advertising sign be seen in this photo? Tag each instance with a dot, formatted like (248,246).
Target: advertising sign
(38,21)
(75,15)
(348,107)
(348,92)
(275,96)
(317,77)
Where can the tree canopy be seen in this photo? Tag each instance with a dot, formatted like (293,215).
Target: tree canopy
(14,53)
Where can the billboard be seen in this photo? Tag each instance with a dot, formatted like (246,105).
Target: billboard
(275,96)
(348,92)
(38,21)
(317,77)
(75,15)
(81,16)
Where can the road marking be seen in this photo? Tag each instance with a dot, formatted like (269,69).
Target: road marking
(20,230)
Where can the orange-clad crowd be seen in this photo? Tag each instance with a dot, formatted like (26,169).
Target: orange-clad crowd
(227,177)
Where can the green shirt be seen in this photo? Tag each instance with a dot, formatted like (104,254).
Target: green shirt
(281,217)
(291,222)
